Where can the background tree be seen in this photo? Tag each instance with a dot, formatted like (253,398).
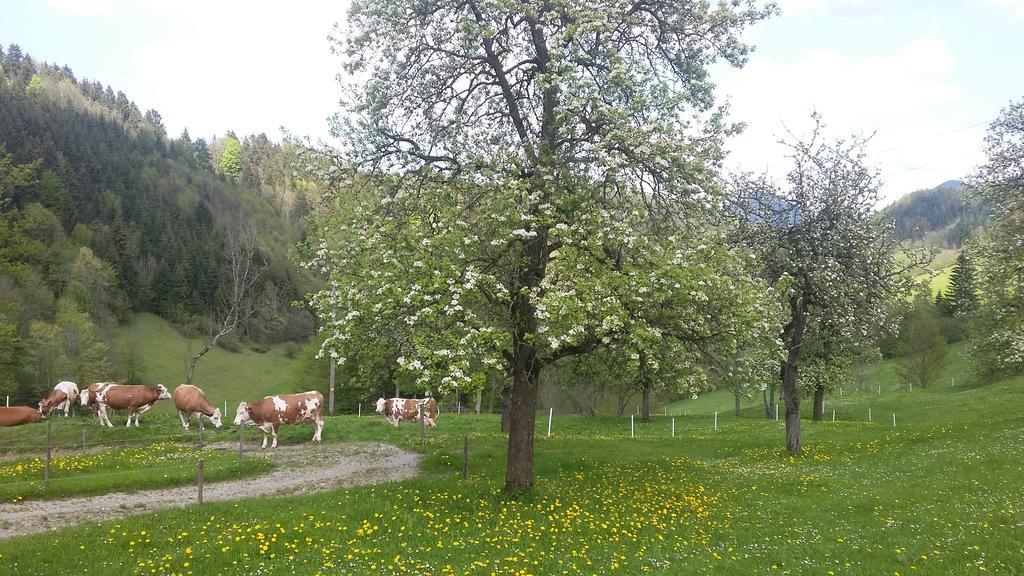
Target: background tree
(820,242)
(998,346)
(229,162)
(542,165)
(922,343)
(240,293)
(961,298)
(70,348)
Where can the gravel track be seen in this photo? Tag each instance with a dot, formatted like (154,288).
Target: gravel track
(300,469)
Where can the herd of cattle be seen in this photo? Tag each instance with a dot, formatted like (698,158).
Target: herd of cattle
(267,414)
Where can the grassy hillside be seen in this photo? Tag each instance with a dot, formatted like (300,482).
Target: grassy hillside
(864,392)
(937,494)
(161,354)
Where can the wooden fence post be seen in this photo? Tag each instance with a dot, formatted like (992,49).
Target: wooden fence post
(465,456)
(200,430)
(83,439)
(423,427)
(241,440)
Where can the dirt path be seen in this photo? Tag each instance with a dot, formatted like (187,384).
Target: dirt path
(301,469)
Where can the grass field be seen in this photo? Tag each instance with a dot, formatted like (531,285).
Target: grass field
(939,493)
(162,354)
(155,465)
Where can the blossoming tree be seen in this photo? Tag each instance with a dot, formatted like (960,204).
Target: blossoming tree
(529,181)
(998,343)
(821,242)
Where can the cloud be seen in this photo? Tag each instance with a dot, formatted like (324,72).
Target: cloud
(247,67)
(896,96)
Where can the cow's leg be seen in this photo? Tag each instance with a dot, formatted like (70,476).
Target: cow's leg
(139,411)
(319,421)
(130,414)
(273,428)
(184,418)
(266,428)
(394,421)
(104,418)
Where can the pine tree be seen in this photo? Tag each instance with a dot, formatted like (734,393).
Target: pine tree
(962,297)
(942,304)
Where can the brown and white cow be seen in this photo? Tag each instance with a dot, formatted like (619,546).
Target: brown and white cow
(398,409)
(88,397)
(62,397)
(269,413)
(133,397)
(190,400)
(18,415)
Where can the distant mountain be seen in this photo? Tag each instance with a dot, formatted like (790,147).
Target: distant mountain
(943,216)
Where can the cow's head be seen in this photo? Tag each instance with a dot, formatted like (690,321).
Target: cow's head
(242,414)
(84,397)
(164,394)
(380,404)
(215,418)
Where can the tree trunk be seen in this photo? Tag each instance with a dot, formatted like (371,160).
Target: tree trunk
(793,338)
(819,404)
(522,416)
(769,403)
(792,403)
(645,410)
(623,398)
(736,397)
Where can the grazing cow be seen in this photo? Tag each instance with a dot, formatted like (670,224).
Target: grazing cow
(190,400)
(398,409)
(18,415)
(62,397)
(136,398)
(269,413)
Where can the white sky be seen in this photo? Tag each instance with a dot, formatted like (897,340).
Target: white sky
(924,76)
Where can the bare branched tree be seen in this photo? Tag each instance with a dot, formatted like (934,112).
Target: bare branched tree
(240,293)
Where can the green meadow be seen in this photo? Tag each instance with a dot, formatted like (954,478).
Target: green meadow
(161,356)
(153,465)
(940,493)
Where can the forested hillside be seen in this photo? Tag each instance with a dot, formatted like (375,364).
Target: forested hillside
(942,216)
(103,215)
